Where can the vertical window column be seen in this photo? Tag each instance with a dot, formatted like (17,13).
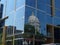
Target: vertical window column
(52,7)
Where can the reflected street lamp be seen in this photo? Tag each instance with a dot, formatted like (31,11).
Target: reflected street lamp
(4,32)
(3,19)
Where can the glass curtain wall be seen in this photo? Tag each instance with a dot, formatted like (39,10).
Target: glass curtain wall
(39,13)
(35,13)
(15,10)
(41,9)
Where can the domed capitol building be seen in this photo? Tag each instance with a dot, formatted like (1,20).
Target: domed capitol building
(34,21)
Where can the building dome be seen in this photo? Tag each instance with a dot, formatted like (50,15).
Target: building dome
(33,18)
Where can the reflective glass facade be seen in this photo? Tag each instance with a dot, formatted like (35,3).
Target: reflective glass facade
(15,12)
(46,12)
(1,22)
(37,13)
(19,12)
(1,13)
(41,10)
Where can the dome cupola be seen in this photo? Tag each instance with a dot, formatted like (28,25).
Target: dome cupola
(33,18)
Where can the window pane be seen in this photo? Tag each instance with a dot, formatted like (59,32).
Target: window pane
(56,21)
(20,3)
(30,18)
(57,2)
(10,20)
(19,21)
(49,19)
(57,13)
(42,5)
(29,12)
(44,1)
(31,3)
(10,6)
(3,1)
(42,21)
(16,19)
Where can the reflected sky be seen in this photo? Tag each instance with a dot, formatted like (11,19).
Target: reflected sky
(24,11)
(15,18)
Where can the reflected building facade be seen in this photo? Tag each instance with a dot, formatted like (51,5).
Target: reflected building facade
(1,22)
(34,21)
(1,13)
(20,13)
(15,21)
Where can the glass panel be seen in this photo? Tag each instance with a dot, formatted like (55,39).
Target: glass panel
(31,3)
(1,33)
(16,20)
(56,21)
(10,20)
(48,19)
(57,12)
(42,20)
(3,1)
(48,10)
(1,11)
(43,6)
(30,14)
(57,2)
(57,29)
(19,21)
(1,23)
(45,1)
(57,34)
(20,3)
(10,6)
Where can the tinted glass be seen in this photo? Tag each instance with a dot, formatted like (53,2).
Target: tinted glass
(30,14)
(20,17)
(57,2)
(20,3)
(31,3)
(9,6)
(56,21)
(44,5)
(41,17)
(57,12)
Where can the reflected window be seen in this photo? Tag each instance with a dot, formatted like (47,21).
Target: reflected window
(57,2)
(20,17)
(20,3)
(57,12)
(31,3)
(44,6)
(56,21)
(9,6)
